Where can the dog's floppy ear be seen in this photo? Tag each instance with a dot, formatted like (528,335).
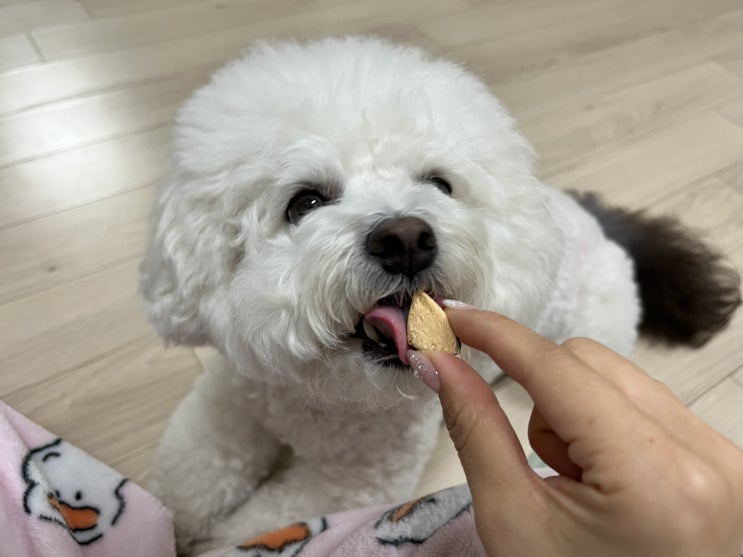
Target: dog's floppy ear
(189,257)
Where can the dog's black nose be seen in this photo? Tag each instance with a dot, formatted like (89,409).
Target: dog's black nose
(404,245)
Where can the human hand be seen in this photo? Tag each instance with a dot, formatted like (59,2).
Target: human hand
(639,474)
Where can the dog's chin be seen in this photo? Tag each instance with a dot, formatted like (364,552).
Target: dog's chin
(356,380)
(393,381)
(379,355)
(368,368)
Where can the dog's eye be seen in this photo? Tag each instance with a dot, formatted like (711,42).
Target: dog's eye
(302,203)
(440,183)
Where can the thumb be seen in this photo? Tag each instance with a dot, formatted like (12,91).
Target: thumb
(486,443)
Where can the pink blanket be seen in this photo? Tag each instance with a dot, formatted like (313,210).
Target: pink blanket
(57,501)
(437,525)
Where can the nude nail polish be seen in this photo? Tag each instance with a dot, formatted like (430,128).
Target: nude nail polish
(456,304)
(424,370)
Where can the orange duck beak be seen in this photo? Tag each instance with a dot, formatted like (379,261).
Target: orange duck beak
(76,518)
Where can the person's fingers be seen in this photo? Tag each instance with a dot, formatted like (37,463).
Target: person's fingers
(550,448)
(633,381)
(652,397)
(571,396)
(488,448)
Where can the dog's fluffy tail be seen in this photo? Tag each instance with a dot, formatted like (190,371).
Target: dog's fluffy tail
(688,291)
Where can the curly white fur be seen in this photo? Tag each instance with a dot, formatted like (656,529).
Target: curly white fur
(364,122)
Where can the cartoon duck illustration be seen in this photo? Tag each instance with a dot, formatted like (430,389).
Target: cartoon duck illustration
(284,542)
(416,521)
(66,487)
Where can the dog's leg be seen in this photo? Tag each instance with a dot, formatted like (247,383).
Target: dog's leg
(327,482)
(211,457)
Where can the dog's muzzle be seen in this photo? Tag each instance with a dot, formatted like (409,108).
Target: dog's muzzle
(403,246)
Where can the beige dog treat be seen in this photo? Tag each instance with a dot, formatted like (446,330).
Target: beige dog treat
(428,327)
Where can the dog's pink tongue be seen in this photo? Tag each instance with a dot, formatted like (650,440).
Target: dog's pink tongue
(390,322)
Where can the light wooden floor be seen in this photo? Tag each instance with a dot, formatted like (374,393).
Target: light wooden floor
(639,99)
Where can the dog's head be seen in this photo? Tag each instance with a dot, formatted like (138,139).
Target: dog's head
(316,184)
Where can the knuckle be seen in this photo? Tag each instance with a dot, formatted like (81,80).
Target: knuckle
(579,344)
(553,358)
(663,389)
(659,385)
(703,494)
(557,357)
(656,390)
(460,422)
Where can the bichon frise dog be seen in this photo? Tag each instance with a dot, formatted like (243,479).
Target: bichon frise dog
(315,187)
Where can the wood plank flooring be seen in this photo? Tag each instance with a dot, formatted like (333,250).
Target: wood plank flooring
(641,100)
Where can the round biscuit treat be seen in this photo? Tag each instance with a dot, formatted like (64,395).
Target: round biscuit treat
(428,327)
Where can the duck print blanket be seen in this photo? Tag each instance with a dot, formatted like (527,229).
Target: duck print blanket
(56,500)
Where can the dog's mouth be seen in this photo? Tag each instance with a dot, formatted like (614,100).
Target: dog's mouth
(383,330)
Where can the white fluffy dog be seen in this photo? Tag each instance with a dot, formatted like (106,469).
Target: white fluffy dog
(314,188)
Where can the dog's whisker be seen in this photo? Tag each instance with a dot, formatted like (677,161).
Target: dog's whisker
(383,359)
(405,395)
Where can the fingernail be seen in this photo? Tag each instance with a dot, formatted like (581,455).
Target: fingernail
(456,304)
(423,369)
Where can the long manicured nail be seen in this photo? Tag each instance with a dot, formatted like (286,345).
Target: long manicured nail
(424,370)
(456,304)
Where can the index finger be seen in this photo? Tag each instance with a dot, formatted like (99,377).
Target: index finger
(573,398)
